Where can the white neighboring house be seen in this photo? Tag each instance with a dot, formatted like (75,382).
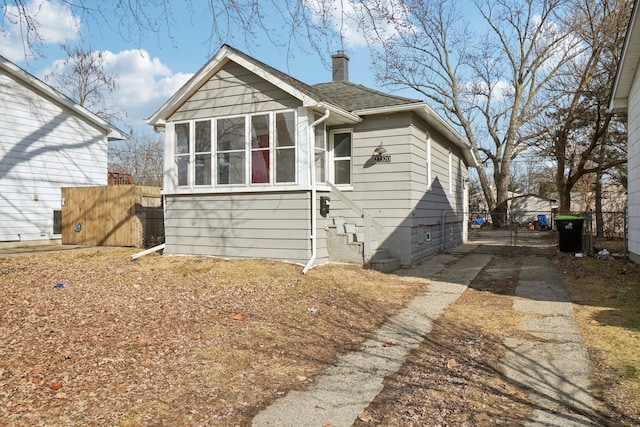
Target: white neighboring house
(47,141)
(626,98)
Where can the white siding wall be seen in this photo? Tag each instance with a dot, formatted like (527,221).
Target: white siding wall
(633,156)
(43,147)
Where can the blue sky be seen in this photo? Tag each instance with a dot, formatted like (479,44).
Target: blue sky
(152,68)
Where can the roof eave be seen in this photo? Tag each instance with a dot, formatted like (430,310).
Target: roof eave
(342,115)
(628,65)
(112,132)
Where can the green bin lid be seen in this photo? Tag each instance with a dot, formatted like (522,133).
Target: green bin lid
(568,218)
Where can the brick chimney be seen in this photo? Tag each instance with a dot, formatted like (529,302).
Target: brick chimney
(340,65)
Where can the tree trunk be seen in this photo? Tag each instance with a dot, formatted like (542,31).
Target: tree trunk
(598,196)
(564,194)
(499,212)
(598,193)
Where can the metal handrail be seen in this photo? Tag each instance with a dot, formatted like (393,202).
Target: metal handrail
(354,207)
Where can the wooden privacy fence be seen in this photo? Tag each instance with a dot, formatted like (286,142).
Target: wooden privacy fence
(122,215)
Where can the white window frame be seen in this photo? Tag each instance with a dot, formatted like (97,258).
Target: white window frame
(200,153)
(293,148)
(321,129)
(246,150)
(186,155)
(334,158)
(272,162)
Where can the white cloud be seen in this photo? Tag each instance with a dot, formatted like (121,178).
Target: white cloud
(362,22)
(144,83)
(54,22)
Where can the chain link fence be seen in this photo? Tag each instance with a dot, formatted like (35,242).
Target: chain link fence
(151,226)
(606,230)
(522,232)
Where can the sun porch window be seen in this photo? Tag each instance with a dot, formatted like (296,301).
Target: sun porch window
(257,150)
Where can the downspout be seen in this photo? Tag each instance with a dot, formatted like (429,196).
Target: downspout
(312,177)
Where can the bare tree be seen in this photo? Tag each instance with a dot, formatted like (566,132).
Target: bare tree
(142,156)
(585,137)
(84,77)
(492,84)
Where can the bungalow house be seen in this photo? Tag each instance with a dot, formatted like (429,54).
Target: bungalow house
(261,165)
(625,98)
(47,142)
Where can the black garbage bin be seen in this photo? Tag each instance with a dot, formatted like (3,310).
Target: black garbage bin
(570,232)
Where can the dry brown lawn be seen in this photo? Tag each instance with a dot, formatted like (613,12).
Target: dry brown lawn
(188,341)
(606,297)
(173,340)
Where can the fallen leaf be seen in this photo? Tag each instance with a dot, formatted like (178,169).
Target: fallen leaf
(238,317)
(451,363)
(365,417)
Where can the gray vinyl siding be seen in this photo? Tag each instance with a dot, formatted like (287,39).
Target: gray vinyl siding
(439,205)
(397,194)
(234,90)
(273,225)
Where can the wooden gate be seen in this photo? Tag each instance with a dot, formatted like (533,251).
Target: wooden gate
(99,216)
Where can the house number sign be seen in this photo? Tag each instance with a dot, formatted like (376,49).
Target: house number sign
(382,159)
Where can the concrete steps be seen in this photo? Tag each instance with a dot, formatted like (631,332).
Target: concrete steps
(346,244)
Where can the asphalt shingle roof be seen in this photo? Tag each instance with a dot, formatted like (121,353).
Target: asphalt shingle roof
(353,97)
(346,95)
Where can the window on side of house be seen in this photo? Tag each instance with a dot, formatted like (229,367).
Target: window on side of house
(230,150)
(320,151)
(342,157)
(57,222)
(203,152)
(182,153)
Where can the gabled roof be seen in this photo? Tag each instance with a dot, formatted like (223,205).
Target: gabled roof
(628,64)
(113,133)
(305,93)
(347,101)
